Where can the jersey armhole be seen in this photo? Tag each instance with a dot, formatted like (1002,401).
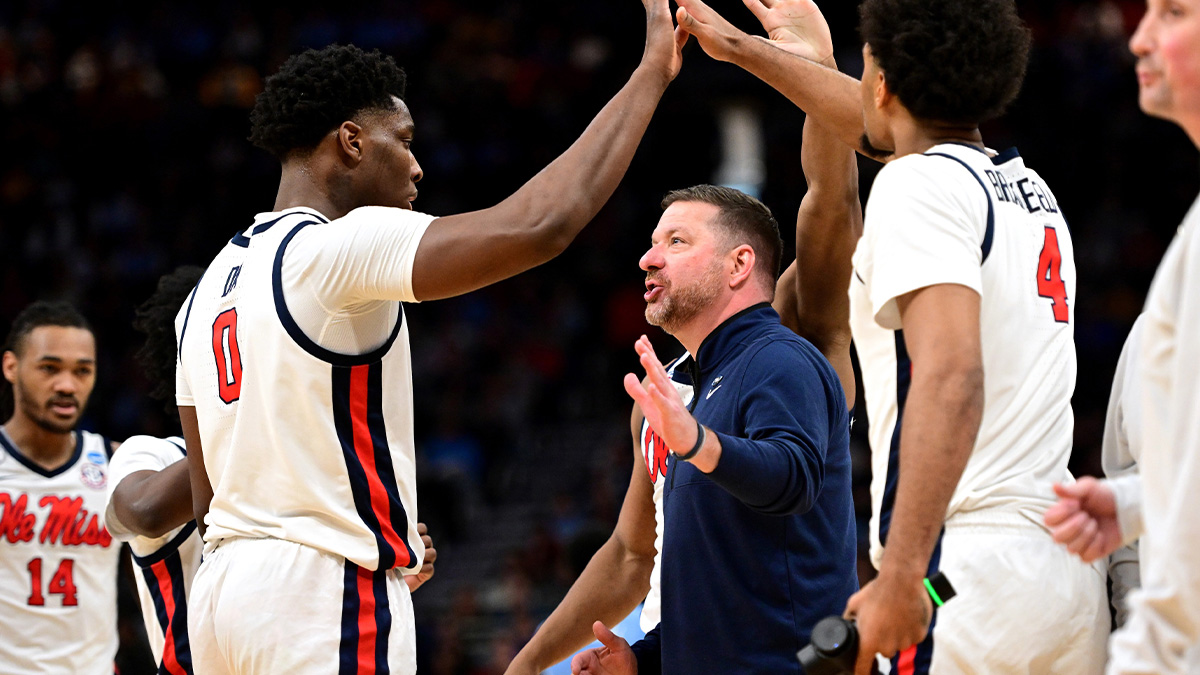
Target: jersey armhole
(985,247)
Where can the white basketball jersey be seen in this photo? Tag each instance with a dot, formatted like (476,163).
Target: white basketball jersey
(654,452)
(58,565)
(956,215)
(300,442)
(165,565)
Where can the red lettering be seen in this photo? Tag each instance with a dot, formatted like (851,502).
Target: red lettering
(15,524)
(655,451)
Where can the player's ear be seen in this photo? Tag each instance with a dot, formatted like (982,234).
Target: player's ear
(350,142)
(10,366)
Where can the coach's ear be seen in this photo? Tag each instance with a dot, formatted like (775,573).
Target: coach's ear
(742,262)
(350,142)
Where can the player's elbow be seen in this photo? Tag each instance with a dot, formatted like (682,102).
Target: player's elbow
(144,518)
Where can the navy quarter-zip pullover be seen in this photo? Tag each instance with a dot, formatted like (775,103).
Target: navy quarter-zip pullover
(758,551)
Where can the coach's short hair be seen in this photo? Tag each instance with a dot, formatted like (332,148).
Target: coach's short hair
(317,90)
(40,313)
(957,61)
(744,219)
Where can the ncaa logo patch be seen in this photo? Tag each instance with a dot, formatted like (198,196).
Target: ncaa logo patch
(95,457)
(93,476)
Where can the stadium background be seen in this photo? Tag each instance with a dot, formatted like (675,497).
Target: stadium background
(123,154)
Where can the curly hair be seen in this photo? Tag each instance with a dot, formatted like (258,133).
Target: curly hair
(40,313)
(316,91)
(948,60)
(744,220)
(155,319)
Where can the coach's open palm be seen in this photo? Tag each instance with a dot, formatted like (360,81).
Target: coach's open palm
(614,658)
(660,402)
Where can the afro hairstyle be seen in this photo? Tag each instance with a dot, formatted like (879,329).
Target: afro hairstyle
(317,90)
(948,60)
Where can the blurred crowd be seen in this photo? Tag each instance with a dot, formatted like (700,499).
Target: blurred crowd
(123,155)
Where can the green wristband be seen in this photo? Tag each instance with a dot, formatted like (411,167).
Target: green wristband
(933,594)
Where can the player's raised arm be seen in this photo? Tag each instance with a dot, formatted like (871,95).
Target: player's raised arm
(811,295)
(820,90)
(612,584)
(464,252)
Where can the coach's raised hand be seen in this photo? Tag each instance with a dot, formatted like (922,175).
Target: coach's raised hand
(667,414)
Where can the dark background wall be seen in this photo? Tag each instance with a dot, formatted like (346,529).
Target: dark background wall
(123,154)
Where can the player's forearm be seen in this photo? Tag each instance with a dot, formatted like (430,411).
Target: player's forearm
(828,226)
(941,421)
(155,502)
(608,589)
(566,195)
(825,93)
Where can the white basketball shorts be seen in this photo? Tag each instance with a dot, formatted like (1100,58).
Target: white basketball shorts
(268,606)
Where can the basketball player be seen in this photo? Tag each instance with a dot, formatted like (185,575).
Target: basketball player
(811,300)
(58,565)
(294,380)
(1163,631)
(963,292)
(150,499)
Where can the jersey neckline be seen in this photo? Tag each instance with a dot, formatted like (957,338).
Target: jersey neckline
(11,448)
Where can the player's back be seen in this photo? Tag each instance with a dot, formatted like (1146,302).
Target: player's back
(300,442)
(58,565)
(996,226)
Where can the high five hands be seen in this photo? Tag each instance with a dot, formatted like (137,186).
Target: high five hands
(796,26)
(664,40)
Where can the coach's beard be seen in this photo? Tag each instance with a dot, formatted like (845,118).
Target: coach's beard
(680,305)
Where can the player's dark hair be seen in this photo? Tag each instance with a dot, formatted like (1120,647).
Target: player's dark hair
(948,60)
(745,221)
(155,318)
(317,90)
(40,313)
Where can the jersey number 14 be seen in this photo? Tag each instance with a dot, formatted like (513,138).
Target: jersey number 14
(1050,283)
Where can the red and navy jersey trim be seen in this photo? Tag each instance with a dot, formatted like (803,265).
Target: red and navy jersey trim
(358,418)
(366,622)
(163,572)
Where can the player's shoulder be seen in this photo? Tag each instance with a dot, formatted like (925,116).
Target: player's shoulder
(150,449)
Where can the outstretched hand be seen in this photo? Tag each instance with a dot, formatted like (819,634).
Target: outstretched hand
(716,36)
(1085,518)
(415,581)
(614,658)
(660,402)
(796,26)
(664,40)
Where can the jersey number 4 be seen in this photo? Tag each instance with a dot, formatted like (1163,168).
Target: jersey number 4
(229,358)
(62,583)
(1050,283)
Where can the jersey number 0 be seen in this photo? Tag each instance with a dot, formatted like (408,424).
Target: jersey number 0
(229,358)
